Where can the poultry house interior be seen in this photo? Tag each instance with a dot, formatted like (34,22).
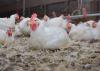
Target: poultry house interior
(49,35)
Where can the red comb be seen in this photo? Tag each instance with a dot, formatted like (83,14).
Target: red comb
(34,15)
(84,12)
(68,18)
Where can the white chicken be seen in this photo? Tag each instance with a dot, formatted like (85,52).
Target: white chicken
(5,23)
(22,28)
(50,37)
(90,23)
(57,22)
(95,28)
(81,33)
(6,37)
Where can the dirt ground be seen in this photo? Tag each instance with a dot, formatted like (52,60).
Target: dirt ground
(82,56)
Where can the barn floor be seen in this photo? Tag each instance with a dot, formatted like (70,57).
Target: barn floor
(82,56)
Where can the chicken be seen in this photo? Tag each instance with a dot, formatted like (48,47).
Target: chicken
(91,24)
(50,37)
(81,33)
(5,23)
(6,37)
(22,28)
(69,25)
(57,22)
(95,28)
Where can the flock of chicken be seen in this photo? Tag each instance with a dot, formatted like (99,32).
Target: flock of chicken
(47,32)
